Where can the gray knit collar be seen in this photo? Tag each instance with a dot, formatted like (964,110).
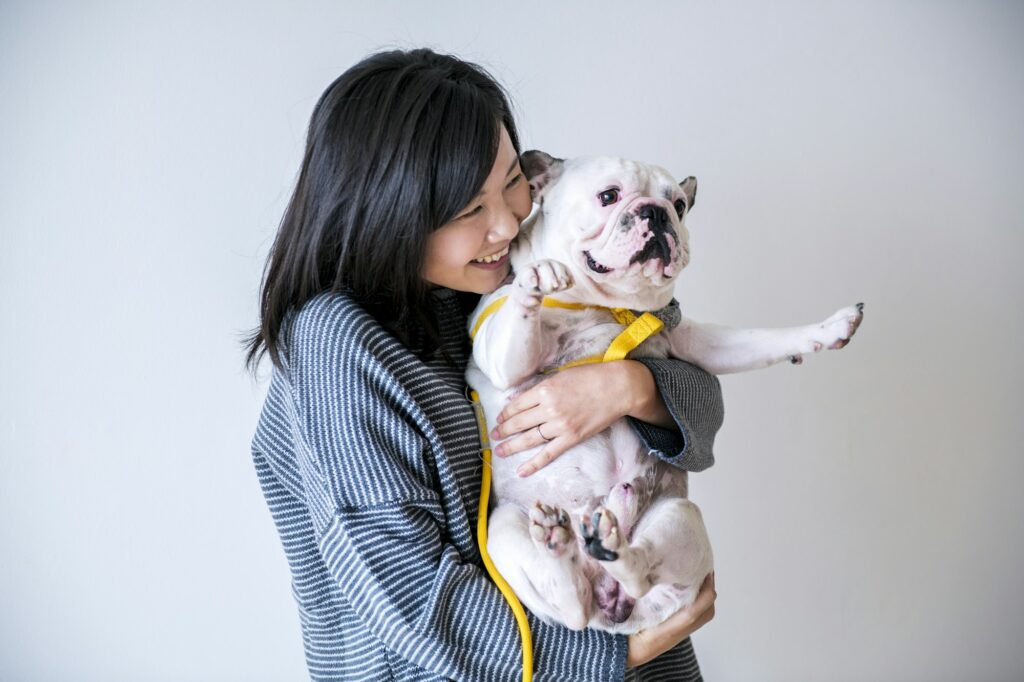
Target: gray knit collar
(670,315)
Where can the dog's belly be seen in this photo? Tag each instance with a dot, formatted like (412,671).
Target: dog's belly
(611,470)
(584,474)
(580,478)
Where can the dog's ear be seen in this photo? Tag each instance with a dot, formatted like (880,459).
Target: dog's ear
(542,171)
(689,187)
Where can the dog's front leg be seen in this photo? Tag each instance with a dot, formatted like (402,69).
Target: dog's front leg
(509,346)
(721,350)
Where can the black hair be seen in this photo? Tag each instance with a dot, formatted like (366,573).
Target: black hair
(396,146)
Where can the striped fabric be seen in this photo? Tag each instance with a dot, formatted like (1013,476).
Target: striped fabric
(369,460)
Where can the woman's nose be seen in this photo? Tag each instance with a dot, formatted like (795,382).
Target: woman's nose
(506,226)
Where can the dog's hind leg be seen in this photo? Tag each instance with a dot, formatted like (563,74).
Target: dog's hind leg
(537,553)
(669,546)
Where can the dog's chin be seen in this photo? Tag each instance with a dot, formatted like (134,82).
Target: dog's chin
(654,270)
(644,284)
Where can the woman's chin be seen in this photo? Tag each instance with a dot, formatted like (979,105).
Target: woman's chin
(486,279)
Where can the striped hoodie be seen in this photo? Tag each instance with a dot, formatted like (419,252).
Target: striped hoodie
(370,462)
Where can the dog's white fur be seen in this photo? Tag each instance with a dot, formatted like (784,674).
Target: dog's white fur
(641,549)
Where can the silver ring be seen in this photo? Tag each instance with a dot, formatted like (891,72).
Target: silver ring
(546,439)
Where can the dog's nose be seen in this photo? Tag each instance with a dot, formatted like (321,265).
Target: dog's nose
(656,216)
(660,229)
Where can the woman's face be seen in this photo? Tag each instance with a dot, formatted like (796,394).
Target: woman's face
(460,252)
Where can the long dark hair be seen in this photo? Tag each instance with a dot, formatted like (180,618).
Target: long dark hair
(397,145)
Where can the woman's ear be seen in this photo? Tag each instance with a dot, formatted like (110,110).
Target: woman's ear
(542,171)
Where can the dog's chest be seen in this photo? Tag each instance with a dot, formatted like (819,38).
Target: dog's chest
(570,335)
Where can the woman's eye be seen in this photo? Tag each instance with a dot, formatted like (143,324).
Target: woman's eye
(680,207)
(609,196)
(473,212)
(514,181)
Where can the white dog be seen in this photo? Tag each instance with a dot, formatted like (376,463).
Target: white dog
(609,234)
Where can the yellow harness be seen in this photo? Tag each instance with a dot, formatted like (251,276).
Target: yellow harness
(638,329)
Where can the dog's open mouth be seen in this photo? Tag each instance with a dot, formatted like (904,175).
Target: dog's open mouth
(594,265)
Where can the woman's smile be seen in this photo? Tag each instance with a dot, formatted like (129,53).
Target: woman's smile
(493,261)
(471,252)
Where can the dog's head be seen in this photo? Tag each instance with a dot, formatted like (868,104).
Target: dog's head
(617,224)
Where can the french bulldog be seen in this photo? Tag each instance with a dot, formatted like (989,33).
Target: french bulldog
(604,536)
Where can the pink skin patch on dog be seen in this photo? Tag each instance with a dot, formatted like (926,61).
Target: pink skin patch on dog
(620,249)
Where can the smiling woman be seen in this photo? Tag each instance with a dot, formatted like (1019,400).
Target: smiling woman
(470,253)
(368,451)
(398,146)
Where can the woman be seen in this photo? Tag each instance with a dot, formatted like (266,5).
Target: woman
(367,449)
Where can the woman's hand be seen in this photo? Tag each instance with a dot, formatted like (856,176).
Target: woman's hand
(573,405)
(648,644)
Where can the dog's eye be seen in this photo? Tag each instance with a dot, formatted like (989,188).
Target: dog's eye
(680,207)
(609,196)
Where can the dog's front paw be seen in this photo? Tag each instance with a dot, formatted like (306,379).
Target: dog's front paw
(539,279)
(601,535)
(550,528)
(833,333)
(843,324)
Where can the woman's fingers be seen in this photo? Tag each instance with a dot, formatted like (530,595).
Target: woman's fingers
(652,642)
(523,401)
(700,611)
(524,441)
(707,594)
(546,456)
(521,421)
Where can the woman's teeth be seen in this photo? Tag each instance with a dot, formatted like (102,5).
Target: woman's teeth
(492,257)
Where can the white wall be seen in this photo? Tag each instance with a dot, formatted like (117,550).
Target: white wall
(864,506)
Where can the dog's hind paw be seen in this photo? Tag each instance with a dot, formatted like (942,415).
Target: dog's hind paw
(551,528)
(601,535)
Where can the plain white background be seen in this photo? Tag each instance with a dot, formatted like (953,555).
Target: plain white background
(864,507)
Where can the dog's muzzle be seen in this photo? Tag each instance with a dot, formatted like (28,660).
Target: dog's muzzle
(661,228)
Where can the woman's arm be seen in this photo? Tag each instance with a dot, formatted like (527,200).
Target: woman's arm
(578,402)
(647,645)
(415,593)
(381,531)
(693,399)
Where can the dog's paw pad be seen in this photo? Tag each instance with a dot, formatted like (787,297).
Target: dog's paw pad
(601,535)
(550,528)
(836,331)
(544,277)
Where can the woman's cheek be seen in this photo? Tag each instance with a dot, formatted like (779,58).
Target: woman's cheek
(521,203)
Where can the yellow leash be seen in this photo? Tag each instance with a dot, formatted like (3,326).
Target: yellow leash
(481,538)
(638,329)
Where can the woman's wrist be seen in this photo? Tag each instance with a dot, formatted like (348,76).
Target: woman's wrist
(642,399)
